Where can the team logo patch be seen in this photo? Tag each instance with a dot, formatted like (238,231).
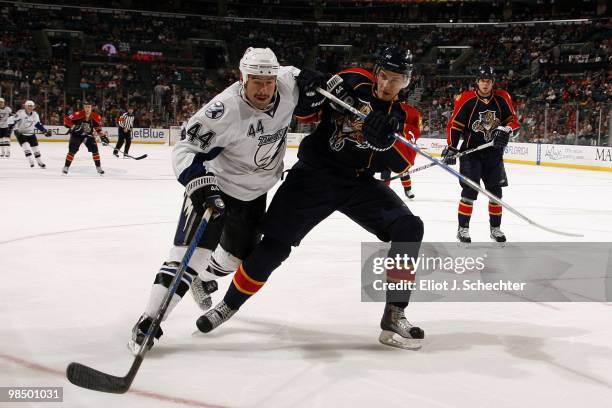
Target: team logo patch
(215,111)
(486,123)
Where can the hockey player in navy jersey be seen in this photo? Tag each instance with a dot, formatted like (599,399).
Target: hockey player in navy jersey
(231,156)
(480,116)
(335,172)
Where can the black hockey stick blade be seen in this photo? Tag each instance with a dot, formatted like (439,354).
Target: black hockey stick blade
(144,156)
(87,377)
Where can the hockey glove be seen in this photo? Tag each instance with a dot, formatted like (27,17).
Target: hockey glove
(48,133)
(308,81)
(77,130)
(104,139)
(448,155)
(501,136)
(378,130)
(204,192)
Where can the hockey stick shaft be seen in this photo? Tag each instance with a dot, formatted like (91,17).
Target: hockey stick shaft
(92,379)
(428,165)
(125,154)
(452,171)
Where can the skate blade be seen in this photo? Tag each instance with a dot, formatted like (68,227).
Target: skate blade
(463,244)
(389,338)
(499,244)
(134,347)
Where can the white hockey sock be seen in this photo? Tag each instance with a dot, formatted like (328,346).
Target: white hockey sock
(221,264)
(158,292)
(36,151)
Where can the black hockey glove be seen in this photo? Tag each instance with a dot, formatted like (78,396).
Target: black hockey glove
(77,130)
(501,136)
(448,155)
(204,192)
(104,140)
(48,133)
(308,81)
(378,130)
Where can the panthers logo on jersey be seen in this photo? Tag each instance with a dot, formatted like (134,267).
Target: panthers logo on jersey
(349,128)
(486,123)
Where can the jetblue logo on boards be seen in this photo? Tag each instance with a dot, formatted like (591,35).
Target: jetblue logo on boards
(148,133)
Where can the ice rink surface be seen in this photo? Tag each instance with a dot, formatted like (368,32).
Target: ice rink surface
(79,254)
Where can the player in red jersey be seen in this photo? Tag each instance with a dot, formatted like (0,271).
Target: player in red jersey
(480,116)
(84,125)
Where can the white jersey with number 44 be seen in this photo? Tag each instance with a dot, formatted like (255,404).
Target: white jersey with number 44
(241,145)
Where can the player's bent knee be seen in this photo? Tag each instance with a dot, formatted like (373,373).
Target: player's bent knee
(409,228)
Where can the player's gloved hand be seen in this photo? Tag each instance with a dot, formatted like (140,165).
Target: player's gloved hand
(308,81)
(378,129)
(104,139)
(448,155)
(48,133)
(77,130)
(501,136)
(204,192)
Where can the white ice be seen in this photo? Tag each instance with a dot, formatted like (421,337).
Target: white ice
(79,253)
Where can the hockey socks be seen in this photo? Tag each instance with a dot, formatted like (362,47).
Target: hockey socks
(253,273)
(466,205)
(495,214)
(162,283)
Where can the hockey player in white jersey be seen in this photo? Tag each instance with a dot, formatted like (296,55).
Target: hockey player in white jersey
(231,156)
(27,122)
(5,129)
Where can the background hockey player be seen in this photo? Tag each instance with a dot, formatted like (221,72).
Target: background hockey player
(406,183)
(231,156)
(480,116)
(5,129)
(335,172)
(84,125)
(125,124)
(27,122)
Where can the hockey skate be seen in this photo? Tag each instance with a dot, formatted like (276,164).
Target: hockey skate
(215,317)
(65,170)
(409,193)
(99,170)
(41,164)
(201,292)
(498,236)
(463,236)
(31,161)
(397,330)
(116,153)
(139,332)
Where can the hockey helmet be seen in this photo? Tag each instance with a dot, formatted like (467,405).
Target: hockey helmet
(2,100)
(258,61)
(29,103)
(396,60)
(485,72)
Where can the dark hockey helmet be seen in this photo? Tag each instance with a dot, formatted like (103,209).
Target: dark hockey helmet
(485,72)
(396,60)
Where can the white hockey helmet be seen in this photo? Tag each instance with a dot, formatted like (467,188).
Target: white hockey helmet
(29,103)
(258,61)
(2,100)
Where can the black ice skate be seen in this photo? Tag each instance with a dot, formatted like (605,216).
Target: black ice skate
(409,193)
(99,170)
(463,236)
(201,292)
(116,153)
(397,330)
(139,332)
(498,236)
(215,317)
(65,170)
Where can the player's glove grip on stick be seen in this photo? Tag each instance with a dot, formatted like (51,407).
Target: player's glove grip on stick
(378,129)
(501,136)
(448,155)
(308,81)
(104,139)
(204,192)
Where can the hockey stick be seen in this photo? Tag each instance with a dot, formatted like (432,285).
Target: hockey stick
(125,154)
(452,171)
(426,166)
(87,377)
